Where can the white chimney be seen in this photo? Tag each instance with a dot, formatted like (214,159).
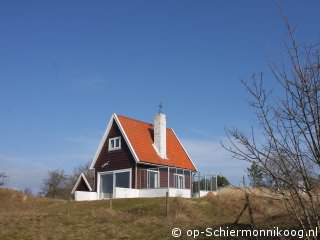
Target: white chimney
(160,138)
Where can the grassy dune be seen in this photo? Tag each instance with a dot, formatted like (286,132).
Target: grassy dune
(25,217)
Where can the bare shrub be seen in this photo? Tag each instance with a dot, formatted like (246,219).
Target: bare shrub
(289,154)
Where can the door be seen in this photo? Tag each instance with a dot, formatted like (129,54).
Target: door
(106,185)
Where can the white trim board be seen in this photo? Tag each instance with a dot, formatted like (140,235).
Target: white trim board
(102,141)
(78,181)
(126,138)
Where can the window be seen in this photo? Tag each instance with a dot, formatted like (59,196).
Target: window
(107,181)
(114,143)
(123,179)
(178,181)
(153,179)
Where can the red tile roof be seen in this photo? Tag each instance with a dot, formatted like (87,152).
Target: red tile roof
(140,135)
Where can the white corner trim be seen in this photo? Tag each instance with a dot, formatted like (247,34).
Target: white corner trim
(104,138)
(126,138)
(78,181)
(184,149)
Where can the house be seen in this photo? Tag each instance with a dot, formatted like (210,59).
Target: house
(138,159)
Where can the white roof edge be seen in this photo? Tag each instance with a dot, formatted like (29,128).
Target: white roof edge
(78,181)
(104,138)
(184,149)
(126,138)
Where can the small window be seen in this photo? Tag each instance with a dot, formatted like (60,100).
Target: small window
(178,181)
(114,143)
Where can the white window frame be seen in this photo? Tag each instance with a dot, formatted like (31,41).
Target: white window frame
(114,178)
(176,175)
(148,178)
(110,148)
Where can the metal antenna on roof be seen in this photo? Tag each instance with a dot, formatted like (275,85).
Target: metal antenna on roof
(160,107)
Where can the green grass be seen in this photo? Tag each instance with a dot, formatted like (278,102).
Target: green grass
(25,217)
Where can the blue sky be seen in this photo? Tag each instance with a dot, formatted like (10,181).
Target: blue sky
(66,66)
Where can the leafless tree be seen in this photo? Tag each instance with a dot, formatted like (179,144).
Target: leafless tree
(58,184)
(3,178)
(54,185)
(289,154)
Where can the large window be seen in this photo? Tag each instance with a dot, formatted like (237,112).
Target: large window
(178,181)
(114,143)
(111,179)
(123,179)
(153,179)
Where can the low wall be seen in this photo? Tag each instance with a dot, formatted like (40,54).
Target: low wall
(153,192)
(136,193)
(161,192)
(85,196)
(126,193)
(175,192)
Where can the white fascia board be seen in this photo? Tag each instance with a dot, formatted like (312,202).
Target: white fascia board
(104,137)
(78,181)
(126,138)
(184,150)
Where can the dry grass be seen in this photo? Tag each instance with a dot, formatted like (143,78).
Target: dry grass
(25,217)
(268,208)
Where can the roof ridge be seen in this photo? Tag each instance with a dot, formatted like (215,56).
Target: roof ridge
(119,115)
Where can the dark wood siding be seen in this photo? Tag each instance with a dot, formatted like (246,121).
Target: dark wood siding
(163,177)
(142,175)
(82,186)
(117,159)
